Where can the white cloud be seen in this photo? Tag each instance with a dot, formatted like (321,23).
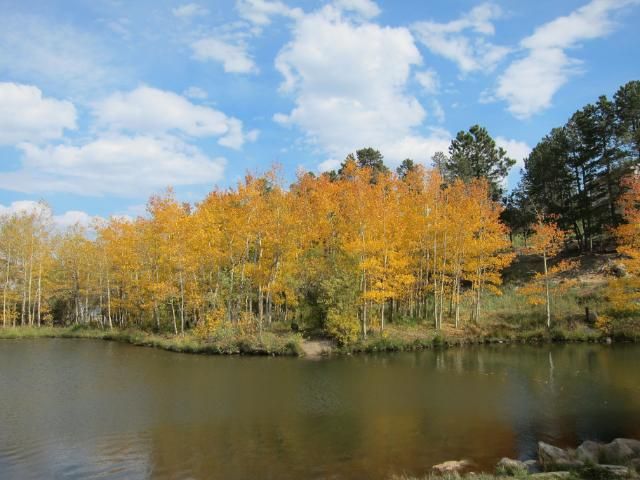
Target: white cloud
(121,27)
(438,111)
(25,207)
(189,10)
(153,111)
(515,149)
(429,81)
(463,40)
(196,93)
(518,151)
(137,210)
(529,83)
(27,116)
(118,165)
(260,12)
(74,217)
(419,148)
(57,55)
(329,164)
(65,220)
(234,57)
(349,80)
(364,8)
(229,46)
(588,22)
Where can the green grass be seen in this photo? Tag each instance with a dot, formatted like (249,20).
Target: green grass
(266,344)
(506,318)
(450,476)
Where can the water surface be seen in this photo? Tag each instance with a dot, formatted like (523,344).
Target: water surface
(93,409)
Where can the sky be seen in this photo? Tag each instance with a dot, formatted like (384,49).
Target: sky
(107,102)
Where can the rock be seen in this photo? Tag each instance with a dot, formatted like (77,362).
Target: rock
(618,451)
(615,471)
(553,458)
(635,464)
(619,270)
(634,445)
(589,452)
(451,466)
(610,472)
(509,467)
(533,466)
(550,476)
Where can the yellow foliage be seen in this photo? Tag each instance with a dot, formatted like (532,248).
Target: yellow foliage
(547,241)
(246,324)
(624,293)
(344,327)
(264,251)
(211,324)
(604,324)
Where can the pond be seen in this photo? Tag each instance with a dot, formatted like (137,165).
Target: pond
(95,409)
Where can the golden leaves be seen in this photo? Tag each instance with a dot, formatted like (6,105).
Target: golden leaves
(624,293)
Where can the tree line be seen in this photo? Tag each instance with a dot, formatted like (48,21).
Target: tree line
(577,171)
(349,253)
(346,251)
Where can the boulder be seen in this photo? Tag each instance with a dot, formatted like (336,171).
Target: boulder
(633,445)
(610,472)
(554,458)
(511,468)
(533,466)
(451,466)
(619,451)
(635,463)
(550,476)
(618,269)
(589,452)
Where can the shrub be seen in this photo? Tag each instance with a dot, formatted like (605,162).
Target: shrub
(344,327)
(209,327)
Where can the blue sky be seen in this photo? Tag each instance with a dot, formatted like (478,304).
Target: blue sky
(104,103)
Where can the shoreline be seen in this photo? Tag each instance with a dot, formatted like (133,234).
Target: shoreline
(274,344)
(294,345)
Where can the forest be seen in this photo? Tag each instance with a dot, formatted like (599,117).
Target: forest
(348,253)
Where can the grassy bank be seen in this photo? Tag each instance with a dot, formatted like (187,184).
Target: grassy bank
(395,338)
(508,318)
(452,476)
(266,344)
(402,339)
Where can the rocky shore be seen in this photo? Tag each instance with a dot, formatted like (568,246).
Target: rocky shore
(619,459)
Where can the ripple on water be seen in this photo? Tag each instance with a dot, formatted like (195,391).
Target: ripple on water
(83,410)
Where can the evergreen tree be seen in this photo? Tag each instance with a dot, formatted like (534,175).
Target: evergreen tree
(575,172)
(474,154)
(405,168)
(371,158)
(627,105)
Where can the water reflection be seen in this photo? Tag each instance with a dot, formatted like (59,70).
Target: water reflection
(84,409)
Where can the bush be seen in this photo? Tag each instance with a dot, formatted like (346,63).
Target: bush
(439,341)
(344,327)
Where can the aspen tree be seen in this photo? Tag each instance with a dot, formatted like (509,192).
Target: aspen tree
(625,291)
(547,241)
